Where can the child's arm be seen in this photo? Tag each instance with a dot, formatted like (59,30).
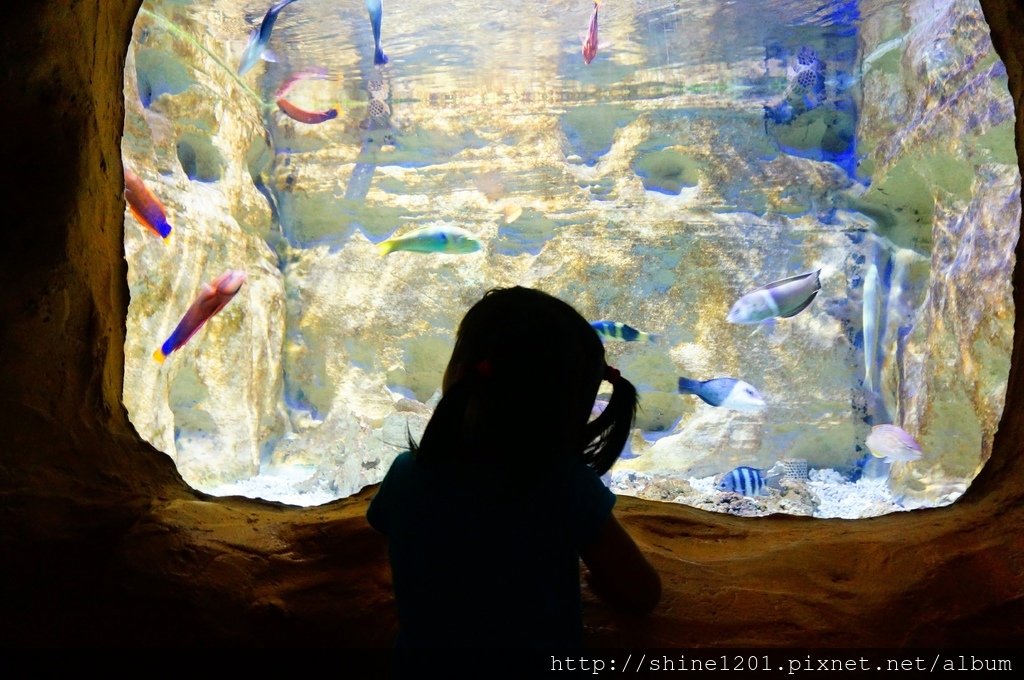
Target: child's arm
(619,573)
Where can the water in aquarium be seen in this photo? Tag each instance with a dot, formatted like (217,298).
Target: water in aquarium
(791,222)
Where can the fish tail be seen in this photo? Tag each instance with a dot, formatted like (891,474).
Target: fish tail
(385,247)
(159,355)
(687,386)
(379,57)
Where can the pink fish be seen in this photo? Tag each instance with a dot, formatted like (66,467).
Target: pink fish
(304,116)
(294,78)
(893,444)
(145,206)
(590,41)
(211,299)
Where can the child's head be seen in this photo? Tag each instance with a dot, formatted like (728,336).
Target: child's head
(521,382)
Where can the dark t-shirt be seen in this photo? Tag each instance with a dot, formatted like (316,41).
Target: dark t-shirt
(480,558)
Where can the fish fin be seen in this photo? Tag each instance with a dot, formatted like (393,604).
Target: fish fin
(268,55)
(385,247)
(167,239)
(767,327)
(159,356)
(379,58)
(687,386)
(775,284)
(801,307)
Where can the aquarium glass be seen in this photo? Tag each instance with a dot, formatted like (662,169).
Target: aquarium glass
(797,217)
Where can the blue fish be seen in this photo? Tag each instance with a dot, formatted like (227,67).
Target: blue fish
(746,481)
(729,393)
(376,10)
(616,330)
(258,39)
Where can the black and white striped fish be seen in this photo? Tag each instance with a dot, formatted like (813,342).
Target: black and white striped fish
(744,480)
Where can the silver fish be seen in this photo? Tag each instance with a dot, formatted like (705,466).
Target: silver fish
(870,323)
(783,298)
(893,444)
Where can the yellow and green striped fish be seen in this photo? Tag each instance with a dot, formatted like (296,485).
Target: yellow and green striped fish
(616,330)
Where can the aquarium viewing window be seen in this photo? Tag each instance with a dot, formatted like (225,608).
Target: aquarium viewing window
(792,222)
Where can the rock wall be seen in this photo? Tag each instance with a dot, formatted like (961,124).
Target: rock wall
(103,544)
(937,129)
(191,127)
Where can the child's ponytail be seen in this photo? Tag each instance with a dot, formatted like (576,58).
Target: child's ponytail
(606,435)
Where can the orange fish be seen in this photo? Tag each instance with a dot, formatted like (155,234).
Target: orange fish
(145,206)
(304,116)
(590,41)
(211,299)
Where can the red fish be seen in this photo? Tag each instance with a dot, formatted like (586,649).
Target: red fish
(304,116)
(590,41)
(211,299)
(145,206)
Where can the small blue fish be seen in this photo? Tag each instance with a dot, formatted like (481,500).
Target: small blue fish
(376,10)
(729,393)
(783,298)
(615,330)
(258,39)
(744,480)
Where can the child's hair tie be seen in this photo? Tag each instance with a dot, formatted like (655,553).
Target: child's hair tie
(483,368)
(611,374)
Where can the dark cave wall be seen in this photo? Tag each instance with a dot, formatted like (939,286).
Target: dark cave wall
(101,543)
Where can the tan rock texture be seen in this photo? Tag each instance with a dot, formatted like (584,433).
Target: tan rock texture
(103,544)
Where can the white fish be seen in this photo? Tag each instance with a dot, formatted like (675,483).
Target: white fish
(729,393)
(783,298)
(870,311)
(893,444)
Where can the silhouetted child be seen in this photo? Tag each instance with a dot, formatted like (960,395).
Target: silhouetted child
(488,516)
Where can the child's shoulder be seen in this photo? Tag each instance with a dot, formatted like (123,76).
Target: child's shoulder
(403,465)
